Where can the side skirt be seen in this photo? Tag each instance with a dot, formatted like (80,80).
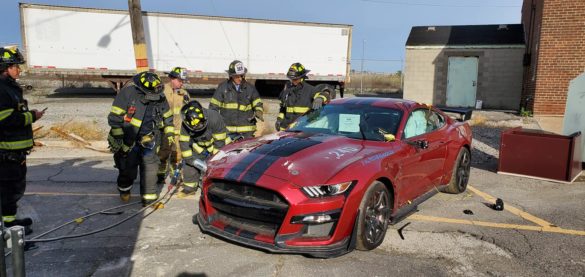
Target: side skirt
(411,208)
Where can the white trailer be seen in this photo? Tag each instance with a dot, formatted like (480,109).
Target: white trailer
(74,41)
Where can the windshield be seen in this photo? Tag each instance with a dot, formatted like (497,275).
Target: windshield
(352,121)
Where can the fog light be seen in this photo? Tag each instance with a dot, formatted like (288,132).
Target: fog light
(316,219)
(319,218)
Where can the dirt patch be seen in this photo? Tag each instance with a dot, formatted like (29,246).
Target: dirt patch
(88,130)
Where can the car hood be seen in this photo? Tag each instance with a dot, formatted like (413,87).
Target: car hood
(301,158)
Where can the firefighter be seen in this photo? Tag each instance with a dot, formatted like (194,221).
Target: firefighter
(298,97)
(176,97)
(16,137)
(238,102)
(138,115)
(203,133)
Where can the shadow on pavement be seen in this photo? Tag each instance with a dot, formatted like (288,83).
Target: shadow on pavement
(58,192)
(486,146)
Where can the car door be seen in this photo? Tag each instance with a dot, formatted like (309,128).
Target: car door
(421,167)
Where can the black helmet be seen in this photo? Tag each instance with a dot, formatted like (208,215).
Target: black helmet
(193,116)
(10,57)
(148,82)
(237,68)
(178,73)
(297,71)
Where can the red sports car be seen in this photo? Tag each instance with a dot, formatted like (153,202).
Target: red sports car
(335,179)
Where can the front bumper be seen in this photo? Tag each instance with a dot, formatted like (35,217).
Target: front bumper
(328,251)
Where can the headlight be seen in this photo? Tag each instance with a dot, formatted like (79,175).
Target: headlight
(327,190)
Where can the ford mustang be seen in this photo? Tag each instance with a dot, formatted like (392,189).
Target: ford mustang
(335,179)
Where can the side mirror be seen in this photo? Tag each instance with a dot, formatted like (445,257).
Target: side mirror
(421,144)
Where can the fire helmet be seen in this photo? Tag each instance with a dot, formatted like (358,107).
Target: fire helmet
(193,116)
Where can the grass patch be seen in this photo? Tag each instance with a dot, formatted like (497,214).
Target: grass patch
(88,130)
(387,82)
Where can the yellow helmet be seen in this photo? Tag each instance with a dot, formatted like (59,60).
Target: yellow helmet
(148,82)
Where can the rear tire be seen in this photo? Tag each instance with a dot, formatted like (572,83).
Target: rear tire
(461,172)
(375,210)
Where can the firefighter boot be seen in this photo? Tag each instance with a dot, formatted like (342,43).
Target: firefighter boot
(188,191)
(25,222)
(125,196)
(160,179)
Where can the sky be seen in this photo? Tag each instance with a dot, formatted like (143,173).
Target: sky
(380,27)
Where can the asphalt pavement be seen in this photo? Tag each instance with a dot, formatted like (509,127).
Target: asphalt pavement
(438,240)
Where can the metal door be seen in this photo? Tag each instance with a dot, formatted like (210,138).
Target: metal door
(462,81)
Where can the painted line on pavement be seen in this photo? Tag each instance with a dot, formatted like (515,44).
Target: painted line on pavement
(497,225)
(543,225)
(513,210)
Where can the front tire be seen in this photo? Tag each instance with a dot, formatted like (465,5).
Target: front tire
(375,210)
(461,172)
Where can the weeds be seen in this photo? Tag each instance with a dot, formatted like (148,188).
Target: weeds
(377,82)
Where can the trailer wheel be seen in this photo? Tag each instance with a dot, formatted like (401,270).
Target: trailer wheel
(328,88)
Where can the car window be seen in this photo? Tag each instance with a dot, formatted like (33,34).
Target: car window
(422,121)
(353,121)
(434,121)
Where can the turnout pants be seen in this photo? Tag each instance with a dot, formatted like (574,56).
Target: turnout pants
(168,154)
(12,181)
(191,175)
(142,160)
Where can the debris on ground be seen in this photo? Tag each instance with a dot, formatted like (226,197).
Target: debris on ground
(402,229)
(77,139)
(499,205)
(468,212)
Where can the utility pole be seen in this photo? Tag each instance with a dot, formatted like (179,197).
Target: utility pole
(140,52)
(362,67)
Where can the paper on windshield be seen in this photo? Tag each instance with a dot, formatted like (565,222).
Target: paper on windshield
(349,123)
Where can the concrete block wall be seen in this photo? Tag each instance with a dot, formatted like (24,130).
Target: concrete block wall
(419,75)
(500,79)
(499,75)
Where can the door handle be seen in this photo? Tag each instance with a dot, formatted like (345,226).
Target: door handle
(474,83)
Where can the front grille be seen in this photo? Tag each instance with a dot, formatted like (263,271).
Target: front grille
(248,203)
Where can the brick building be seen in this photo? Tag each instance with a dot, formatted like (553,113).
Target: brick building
(555,53)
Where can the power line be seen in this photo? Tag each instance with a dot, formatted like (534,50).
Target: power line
(376,60)
(439,5)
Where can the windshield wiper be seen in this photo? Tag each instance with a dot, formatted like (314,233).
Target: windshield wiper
(293,130)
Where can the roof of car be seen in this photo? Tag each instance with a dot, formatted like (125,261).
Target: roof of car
(392,103)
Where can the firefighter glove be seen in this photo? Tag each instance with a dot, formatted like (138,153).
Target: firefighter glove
(115,144)
(259,114)
(171,140)
(317,103)
(277,125)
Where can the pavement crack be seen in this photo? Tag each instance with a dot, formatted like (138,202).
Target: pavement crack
(50,178)
(278,267)
(530,247)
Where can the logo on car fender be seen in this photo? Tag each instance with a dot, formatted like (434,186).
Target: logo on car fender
(377,157)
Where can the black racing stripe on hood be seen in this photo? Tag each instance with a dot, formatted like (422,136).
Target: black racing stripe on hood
(285,147)
(239,168)
(257,170)
(274,151)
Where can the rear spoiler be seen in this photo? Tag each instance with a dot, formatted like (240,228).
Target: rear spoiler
(465,113)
